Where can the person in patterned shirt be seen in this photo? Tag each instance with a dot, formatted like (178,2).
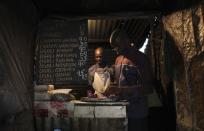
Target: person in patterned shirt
(134,77)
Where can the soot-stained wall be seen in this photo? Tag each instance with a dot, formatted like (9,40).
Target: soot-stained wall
(185,32)
(18,20)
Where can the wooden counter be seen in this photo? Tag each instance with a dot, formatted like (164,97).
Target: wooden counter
(80,116)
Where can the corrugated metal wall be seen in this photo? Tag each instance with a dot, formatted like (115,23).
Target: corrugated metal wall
(100,30)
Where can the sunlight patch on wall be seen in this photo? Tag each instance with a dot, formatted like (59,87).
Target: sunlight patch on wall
(142,49)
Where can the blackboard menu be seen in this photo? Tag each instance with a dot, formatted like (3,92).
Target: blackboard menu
(62,52)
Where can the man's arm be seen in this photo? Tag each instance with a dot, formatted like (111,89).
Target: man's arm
(110,69)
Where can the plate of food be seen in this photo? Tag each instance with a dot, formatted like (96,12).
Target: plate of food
(61,95)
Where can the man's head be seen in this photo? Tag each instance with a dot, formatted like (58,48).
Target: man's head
(119,40)
(99,55)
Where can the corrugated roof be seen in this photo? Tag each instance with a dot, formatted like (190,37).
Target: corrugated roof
(100,30)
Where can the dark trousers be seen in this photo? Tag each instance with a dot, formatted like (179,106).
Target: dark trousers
(135,124)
